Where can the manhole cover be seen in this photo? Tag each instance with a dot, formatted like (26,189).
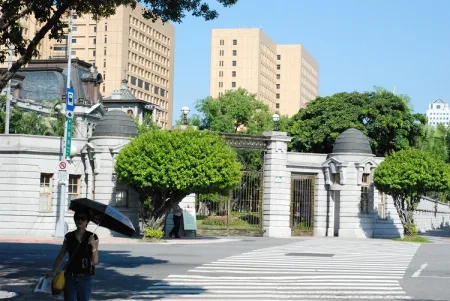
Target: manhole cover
(310,254)
(7,295)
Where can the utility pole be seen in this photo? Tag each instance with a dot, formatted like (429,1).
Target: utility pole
(67,142)
(8,93)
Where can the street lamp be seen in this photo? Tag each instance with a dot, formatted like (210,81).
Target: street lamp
(185,111)
(275,118)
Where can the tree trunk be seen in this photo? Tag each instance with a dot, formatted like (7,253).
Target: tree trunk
(406,217)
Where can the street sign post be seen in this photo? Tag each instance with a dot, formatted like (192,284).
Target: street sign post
(68,137)
(70,99)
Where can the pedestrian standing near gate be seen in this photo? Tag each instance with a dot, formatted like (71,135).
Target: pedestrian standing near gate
(177,214)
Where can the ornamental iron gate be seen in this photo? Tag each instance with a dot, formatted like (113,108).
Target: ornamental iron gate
(238,213)
(302,204)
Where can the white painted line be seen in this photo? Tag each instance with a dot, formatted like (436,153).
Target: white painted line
(290,297)
(284,277)
(417,273)
(438,277)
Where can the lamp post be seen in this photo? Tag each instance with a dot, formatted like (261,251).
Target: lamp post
(185,111)
(275,118)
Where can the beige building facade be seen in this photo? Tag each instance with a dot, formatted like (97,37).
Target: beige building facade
(123,46)
(285,77)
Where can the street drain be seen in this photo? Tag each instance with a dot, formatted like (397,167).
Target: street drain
(7,295)
(310,254)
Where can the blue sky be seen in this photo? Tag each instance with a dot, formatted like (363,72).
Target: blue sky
(358,44)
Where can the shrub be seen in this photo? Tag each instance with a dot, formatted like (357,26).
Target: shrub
(153,233)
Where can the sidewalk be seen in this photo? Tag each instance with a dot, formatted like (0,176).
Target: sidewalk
(121,240)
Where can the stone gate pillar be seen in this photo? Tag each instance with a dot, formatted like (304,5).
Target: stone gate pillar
(277,185)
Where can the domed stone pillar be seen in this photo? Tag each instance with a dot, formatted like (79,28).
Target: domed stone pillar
(111,134)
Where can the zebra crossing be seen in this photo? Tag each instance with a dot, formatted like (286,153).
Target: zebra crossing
(315,269)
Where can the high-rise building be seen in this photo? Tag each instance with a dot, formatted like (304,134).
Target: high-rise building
(125,45)
(438,112)
(285,77)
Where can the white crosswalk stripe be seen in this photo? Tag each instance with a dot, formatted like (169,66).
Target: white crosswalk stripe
(315,269)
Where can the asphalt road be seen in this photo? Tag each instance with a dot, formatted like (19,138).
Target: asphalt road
(124,270)
(130,270)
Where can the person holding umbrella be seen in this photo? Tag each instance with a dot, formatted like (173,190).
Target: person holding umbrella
(82,246)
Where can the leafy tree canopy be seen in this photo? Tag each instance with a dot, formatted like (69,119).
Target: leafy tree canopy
(236,111)
(49,16)
(436,140)
(384,117)
(166,166)
(409,174)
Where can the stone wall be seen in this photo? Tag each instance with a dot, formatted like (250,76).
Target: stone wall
(431,214)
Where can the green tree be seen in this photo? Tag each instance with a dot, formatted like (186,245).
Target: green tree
(50,16)
(435,140)
(406,176)
(384,117)
(146,125)
(166,166)
(235,111)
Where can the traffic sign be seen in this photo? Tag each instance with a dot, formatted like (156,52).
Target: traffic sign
(62,176)
(68,137)
(62,165)
(70,99)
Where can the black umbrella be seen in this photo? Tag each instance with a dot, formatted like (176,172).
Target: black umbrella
(104,215)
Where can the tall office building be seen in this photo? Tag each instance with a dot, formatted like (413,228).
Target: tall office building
(123,46)
(438,112)
(285,77)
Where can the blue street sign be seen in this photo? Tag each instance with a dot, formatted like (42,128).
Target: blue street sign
(70,99)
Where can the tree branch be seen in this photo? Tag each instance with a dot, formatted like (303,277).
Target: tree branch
(5,24)
(28,54)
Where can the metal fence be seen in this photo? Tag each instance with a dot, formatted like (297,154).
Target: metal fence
(302,204)
(239,212)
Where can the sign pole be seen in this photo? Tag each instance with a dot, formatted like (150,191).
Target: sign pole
(60,230)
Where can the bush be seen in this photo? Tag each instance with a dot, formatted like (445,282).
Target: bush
(153,233)
(222,221)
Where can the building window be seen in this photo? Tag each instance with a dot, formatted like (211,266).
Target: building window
(234,42)
(106,27)
(277,105)
(94,41)
(74,52)
(278,67)
(365,193)
(220,63)
(45,196)
(74,28)
(221,52)
(156,90)
(220,73)
(147,86)
(278,57)
(222,42)
(278,96)
(121,198)
(233,73)
(220,84)
(163,92)
(133,80)
(104,63)
(73,189)
(336,178)
(278,86)
(140,83)
(94,53)
(233,84)
(382,206)
(74,41)
(95,28)
(106,39)
(234,63)
(278,76)
(234,52)
(104,51)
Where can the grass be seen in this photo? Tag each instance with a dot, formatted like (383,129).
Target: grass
(413,238)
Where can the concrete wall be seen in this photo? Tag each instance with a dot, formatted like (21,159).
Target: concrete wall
(23,159)
(431,214)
